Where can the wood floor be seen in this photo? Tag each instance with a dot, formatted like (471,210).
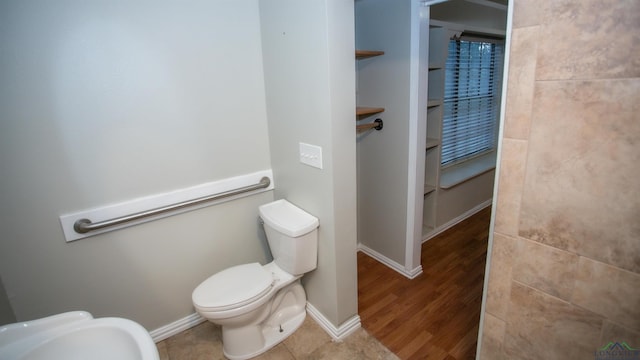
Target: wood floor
(435,315)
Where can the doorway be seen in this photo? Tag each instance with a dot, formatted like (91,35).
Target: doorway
(423,202)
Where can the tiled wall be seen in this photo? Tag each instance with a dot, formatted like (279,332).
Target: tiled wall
(565,267)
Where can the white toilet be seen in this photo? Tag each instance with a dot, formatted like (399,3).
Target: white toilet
(259,306)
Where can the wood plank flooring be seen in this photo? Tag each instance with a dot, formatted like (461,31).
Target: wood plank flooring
(435,315)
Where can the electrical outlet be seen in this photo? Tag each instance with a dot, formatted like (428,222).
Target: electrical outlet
(311,155)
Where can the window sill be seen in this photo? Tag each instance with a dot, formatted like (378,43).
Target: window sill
(457,174)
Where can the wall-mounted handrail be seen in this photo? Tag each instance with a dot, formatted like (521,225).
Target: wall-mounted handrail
(84,226)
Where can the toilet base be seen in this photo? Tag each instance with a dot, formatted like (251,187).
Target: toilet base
(273,335)
(273,323)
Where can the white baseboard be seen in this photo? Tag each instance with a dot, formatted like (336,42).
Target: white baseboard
(390,263)
(176,327)
(456,220)
(336,333)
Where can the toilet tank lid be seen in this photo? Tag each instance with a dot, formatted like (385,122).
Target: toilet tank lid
(288,218)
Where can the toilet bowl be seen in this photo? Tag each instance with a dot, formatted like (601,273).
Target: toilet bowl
(258,306)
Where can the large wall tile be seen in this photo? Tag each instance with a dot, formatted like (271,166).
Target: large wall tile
(500,275)
(492,338)
(545,268)
(527,12)
(589,39)
(581,191)
(540,326)
(511,180)
(616,333)
(608,291)
(522,73)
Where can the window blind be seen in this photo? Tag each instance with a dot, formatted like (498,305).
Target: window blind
(471,99)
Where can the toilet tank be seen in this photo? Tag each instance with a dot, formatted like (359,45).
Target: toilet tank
(292,234)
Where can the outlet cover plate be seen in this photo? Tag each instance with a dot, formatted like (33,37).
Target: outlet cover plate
(311,155)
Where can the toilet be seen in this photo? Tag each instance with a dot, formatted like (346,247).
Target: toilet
(258,306)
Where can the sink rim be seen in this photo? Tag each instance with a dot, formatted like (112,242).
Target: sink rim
(21,339)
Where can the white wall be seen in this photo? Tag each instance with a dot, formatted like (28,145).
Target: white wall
(457,201)
(105,101)
(308,50)
(383,156)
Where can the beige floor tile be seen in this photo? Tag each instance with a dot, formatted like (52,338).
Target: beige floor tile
(279,352)
(310,341)
(203,341)
(309,337)
(372,348)
(162,350)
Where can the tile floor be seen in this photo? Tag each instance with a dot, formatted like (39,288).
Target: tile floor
(309,342)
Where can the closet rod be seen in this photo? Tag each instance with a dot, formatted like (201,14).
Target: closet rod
(377,124)
(84,226)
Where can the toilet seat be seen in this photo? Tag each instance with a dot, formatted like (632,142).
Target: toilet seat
(233,287)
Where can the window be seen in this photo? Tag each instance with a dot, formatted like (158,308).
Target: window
(471,100)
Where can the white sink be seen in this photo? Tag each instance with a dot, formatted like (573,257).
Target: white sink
(76,335)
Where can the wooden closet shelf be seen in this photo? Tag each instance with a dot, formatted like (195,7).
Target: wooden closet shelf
(363,54)
(365,110)
(434,102)
(429,188)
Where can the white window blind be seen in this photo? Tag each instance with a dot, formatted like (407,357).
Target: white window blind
(471,100)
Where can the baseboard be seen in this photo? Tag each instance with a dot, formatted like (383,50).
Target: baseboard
(336,333)
(187,322)
(455,221)
(176,327)
(390,263)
